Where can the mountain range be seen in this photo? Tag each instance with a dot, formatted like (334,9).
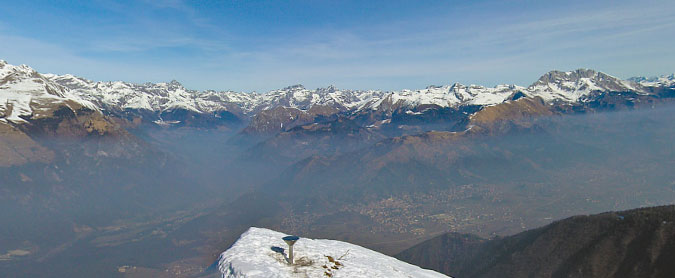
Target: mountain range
(25,90)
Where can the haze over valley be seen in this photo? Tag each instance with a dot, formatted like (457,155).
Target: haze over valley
(156,178)
(270,139)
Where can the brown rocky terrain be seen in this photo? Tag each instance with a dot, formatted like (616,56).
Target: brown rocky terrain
(325,138)
(272,121)
(17,148)
(518,114)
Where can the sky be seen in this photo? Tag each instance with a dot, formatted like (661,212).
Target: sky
(387,45)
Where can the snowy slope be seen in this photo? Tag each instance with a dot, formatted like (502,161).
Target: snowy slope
(24,93)
(251,256)
(444,96)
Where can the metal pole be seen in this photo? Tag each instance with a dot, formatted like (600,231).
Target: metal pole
(290,240)
(290,254)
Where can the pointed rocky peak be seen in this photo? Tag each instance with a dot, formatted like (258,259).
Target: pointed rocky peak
(456,87)
(328,90)
(638,79)
(295,87)
(21,71)
(584,73)
(573,84)
(556,76)
(23,77)
(70,81)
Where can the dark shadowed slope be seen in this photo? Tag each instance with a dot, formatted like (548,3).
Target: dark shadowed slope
(634,243)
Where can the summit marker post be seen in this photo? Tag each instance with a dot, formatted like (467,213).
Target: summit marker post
(290,240)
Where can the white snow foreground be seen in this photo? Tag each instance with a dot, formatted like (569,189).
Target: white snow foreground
(252,256)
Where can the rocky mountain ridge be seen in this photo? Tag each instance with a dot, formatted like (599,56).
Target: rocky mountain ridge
(171,103)
(634,243)
(36,111)
(28,94)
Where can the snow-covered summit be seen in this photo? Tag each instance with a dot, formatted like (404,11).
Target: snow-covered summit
(252,256)
(661,81)
(571,86)
(25,93)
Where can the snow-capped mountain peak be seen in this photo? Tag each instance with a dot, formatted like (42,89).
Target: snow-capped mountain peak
(29,94)
(661,81)
(257,253)
(571,86)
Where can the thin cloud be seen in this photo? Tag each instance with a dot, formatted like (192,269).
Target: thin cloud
(485,48)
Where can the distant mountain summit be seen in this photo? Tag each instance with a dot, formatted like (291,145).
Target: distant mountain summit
(25,93)
(572,85)
(662,81)
(260,253)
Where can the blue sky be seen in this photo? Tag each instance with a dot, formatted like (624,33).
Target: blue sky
(390,45)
